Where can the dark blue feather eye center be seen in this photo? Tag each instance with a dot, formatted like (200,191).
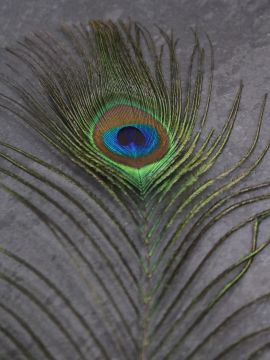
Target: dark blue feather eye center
(130,135)
(132,141)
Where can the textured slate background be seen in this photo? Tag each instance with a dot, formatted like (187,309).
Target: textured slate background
(240,31)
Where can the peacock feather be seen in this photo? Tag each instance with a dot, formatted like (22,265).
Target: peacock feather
(141,194)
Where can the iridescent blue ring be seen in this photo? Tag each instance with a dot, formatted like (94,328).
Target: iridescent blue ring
(133,147)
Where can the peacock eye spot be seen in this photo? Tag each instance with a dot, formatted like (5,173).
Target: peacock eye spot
(130,135)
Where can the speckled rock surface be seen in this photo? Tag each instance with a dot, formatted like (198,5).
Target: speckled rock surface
(240,32)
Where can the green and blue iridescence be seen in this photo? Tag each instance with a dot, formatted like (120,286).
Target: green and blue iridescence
(134,140)
(144,172)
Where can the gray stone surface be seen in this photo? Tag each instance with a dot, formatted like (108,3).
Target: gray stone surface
(240,32)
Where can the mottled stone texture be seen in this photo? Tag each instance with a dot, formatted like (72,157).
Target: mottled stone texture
(240,32)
